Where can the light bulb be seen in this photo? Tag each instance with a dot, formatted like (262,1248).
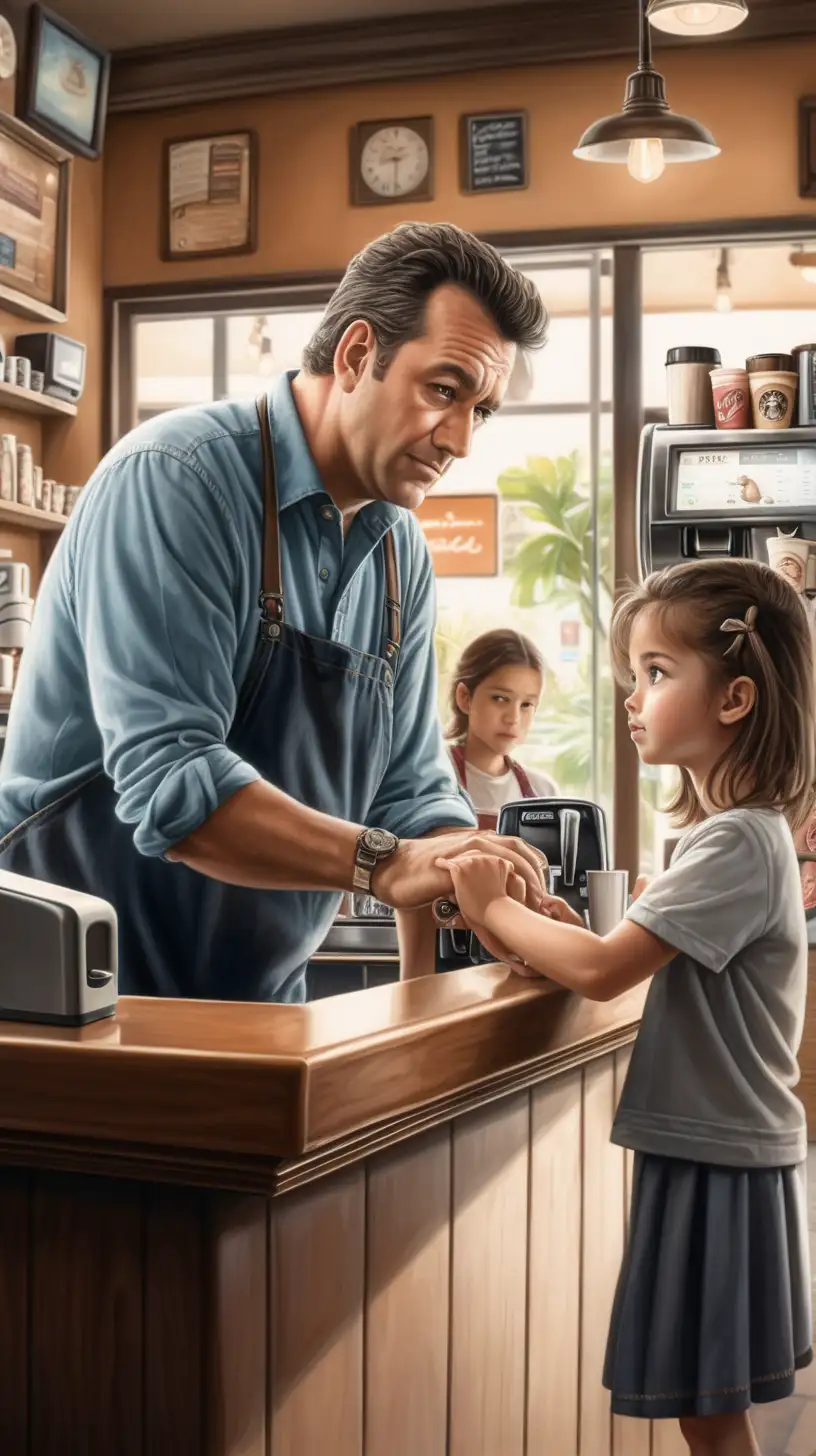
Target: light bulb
(646,159)
(809,274)
(723,302)
(696,16)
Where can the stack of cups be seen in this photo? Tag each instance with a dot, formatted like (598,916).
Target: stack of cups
(16,605)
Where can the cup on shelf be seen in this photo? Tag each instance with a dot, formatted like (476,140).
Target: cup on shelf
(25,476)
(47,487)
(6,672)
(72,493)
(8,467)
(57,498)
(732,399)
(773,397)
(38,486)
(17,370)
(37,381)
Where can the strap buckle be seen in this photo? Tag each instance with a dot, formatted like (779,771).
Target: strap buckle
(274,612)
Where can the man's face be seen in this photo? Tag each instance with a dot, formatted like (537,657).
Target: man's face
(404,429)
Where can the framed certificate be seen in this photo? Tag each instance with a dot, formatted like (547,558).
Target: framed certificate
(35,183)
(210,201)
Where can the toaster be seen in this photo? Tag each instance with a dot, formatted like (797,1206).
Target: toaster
(58,953)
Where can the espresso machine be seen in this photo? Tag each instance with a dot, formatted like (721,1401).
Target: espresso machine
(571,833)
(704,493)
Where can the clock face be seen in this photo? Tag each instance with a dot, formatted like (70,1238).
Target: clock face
(8,50)
(394,161)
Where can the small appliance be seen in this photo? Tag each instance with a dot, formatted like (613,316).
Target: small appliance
(60,360)
(58,962)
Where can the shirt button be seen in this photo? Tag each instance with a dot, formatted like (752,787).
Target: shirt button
(327,513)
(324,573)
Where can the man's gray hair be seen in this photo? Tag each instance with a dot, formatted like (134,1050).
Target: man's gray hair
(389,283)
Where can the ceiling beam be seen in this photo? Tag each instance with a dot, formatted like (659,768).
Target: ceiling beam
(542,32)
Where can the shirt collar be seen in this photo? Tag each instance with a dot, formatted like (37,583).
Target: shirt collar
(296,473)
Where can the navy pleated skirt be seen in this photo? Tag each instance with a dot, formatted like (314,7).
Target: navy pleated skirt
(713,1306)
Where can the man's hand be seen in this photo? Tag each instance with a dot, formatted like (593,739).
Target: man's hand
(414,876)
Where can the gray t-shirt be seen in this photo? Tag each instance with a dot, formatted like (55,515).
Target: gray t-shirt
(714,1066)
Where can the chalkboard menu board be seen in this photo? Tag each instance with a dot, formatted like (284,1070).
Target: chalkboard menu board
(494,151)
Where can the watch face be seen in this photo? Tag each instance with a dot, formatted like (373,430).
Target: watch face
(394,161)
(379,841)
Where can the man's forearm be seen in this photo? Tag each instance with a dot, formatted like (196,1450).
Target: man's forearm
(263,839)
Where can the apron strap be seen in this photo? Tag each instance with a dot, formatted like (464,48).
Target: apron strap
(457,753)
(270,600)
(392,597)
(522,780)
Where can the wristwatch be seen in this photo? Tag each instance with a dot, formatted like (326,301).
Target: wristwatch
(373,845)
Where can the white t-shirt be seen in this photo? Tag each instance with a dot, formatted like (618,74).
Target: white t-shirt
(490,793)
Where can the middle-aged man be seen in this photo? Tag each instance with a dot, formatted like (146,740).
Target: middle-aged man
(231,669)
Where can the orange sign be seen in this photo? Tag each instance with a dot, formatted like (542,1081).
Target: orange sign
(462,532)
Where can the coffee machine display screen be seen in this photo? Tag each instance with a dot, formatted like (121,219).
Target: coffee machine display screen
(744,480)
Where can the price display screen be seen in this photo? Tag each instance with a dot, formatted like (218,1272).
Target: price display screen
(747,480)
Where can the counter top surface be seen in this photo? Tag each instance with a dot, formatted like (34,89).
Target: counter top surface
(250,1080)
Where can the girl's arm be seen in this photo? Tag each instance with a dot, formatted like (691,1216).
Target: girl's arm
(599,967)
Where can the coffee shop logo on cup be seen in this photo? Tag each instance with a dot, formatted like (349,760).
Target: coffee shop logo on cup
(731,404)
(773,405)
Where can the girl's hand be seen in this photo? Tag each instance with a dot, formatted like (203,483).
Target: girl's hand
(557,909)
(477,879)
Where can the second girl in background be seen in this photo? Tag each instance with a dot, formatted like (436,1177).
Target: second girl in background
(495,691)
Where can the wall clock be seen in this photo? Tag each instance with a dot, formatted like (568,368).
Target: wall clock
(392,161)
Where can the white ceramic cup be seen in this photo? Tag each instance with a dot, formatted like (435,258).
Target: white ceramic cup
(6,672)
(608,896)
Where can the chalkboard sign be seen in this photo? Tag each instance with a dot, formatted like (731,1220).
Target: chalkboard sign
(494,151)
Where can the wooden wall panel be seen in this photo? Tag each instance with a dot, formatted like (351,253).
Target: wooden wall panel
(174,1322)
(14,1330)
(237,1291)
(86,1318)
(553,1350)
(317,1299)
(603,1249)
(408,1211)
(489,1280)
(629,1437)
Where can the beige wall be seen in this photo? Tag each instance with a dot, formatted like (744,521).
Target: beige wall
(746,95)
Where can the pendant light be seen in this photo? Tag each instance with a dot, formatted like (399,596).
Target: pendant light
(646,134)
(805,260)
(709,17)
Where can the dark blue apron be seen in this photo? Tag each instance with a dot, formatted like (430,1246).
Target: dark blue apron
(181,933)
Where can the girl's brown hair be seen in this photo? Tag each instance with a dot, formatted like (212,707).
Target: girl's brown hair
(701,605)
(483,656)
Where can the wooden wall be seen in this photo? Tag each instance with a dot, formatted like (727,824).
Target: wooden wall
(449,1296)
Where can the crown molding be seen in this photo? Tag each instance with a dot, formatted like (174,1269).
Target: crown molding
(272,62)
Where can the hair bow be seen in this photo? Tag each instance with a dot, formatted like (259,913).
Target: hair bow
(740,629)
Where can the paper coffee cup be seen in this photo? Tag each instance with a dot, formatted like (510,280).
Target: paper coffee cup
(608,896)
(788,555)
(732,399)
(773,397)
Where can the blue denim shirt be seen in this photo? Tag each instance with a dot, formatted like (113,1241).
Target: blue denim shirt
(147,618)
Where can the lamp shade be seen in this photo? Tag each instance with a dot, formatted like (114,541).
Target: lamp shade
(646,114)
(697,17)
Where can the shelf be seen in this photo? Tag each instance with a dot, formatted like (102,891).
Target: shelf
(13,514)
(32,402)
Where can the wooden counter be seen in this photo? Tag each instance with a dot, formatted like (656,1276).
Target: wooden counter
(385,1224)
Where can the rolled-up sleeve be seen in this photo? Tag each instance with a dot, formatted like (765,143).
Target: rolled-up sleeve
(158,591)
(419,792)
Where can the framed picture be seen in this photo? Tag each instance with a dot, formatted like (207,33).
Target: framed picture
(210,196)
(493,152)
(392,161)
(807,146)
(66,92)
(35,186)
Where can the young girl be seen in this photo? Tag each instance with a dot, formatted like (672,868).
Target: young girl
(494,696)
(713,1307)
